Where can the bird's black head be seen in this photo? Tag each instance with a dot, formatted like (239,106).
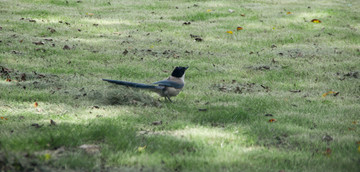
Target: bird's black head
(179,71)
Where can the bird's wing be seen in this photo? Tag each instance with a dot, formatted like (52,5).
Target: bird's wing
(168,83)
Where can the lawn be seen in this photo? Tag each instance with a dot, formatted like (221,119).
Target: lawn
(268,87)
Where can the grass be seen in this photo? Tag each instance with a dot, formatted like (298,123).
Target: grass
(279,64)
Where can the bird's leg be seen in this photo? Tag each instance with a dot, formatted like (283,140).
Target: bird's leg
(168,98)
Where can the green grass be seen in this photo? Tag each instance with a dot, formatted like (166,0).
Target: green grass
(237,78)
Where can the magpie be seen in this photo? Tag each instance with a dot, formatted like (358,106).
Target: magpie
(167,88)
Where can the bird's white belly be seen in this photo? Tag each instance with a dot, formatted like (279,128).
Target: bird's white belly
(170,92)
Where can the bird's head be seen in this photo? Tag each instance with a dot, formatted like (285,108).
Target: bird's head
(179,71)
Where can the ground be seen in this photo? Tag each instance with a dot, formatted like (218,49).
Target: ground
(268,88)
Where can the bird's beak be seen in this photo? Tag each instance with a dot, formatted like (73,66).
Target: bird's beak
(186,67)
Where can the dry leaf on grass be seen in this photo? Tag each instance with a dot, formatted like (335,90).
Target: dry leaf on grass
(91,149)
(328,152)
(52,122)
(39,43)
(329,92)
(272,120)
(141,149)
(327,138)
(157,123)
(315,21)
(66,47)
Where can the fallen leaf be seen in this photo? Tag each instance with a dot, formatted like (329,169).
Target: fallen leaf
(230,32)
(47,157)
(194,36)
(315,21)
(353,74)
(327,93)
(239,28)
(327,138)
(66,47)
(272,120)
(354,122)
(327,152)
(359,148)
(91,149)
(350,129)
(217,125)
(208,10)
(39,43)
(2,117)
(8,80)
(52,122)
(36,104)
(52,30)
(198,39)
(125,52)
(156,123)
(288,13)
(243,15)
(90,14)
(141,149)
(358,142)
(23,77)
(36,125)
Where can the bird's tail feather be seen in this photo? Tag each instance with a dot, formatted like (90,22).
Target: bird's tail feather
(133,84)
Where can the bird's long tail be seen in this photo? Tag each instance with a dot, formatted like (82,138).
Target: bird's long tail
(133,84)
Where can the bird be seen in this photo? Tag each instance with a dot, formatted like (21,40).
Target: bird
(166,88)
